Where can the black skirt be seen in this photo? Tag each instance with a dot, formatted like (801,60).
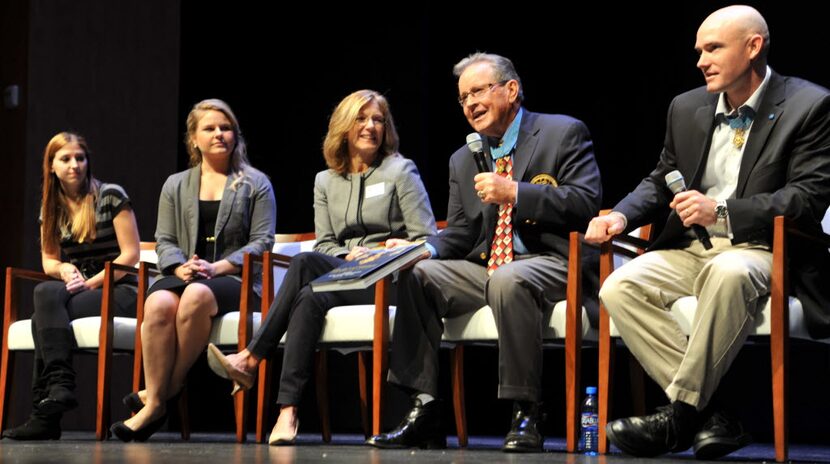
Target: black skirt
(225,289)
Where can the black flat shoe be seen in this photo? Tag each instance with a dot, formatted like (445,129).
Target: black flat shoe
(36,428)
(524,436)
(421,428)
(126,434)
(133,402)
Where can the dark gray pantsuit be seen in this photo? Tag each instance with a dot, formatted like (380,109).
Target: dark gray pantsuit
(301,312)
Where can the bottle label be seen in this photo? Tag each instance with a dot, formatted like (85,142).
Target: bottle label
(590,419)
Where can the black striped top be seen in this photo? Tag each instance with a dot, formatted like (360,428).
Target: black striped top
(89,257)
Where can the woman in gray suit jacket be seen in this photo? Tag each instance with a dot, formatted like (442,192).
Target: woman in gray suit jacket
(369,194)
(209,217)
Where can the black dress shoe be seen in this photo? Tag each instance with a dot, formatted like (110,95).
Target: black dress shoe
(722,434)
(524,436)
(133,402)
(421,428)
(126,434)
(671,429)
(36,428)
(60,400)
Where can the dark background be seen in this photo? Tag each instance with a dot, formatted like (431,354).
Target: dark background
(126,73)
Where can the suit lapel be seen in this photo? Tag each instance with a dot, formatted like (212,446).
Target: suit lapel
(766,117)
(225,206)
(705,124)
(191,206)
(525,145)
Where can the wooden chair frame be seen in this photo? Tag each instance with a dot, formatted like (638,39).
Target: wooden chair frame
(10,316)
(783,229)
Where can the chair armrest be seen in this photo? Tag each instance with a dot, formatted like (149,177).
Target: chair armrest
(10,312)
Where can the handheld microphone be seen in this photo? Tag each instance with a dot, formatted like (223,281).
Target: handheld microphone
(476,145)
(676,183)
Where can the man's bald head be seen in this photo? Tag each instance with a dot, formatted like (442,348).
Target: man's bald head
(741,20)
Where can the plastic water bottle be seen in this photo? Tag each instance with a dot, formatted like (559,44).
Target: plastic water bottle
(589,437)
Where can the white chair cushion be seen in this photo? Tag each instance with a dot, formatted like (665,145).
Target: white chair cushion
(353,324)
(683,311)
(351,328)
(86,331)
(480,325)
(225,329)
(293,248)
(20,335)
(148,256)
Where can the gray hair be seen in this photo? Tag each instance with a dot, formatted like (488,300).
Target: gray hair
(503,68)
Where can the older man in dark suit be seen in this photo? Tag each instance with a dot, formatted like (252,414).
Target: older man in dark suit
(752,145)
(505,245)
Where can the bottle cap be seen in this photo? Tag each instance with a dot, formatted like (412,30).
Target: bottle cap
(591,390)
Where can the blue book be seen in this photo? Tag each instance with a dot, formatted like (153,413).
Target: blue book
(376,264)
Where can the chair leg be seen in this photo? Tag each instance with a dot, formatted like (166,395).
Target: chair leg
(240,407)
(263,400)
(102,414)
(321,367)
(184,414)
(779,400)
(363,385)
(606,371)
(457,360)
(6,368)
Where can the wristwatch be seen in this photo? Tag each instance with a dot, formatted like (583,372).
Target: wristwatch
(721,211)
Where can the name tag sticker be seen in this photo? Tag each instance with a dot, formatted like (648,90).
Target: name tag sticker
(374,190)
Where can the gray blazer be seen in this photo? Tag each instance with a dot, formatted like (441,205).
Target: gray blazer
(387,201)
(245,223)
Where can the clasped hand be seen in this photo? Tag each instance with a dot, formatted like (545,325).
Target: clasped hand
(73,278)
(195,268)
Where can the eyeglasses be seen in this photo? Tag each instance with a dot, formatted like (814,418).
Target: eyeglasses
(376,120)
(477,92)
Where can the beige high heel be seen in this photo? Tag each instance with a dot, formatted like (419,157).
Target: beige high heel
(220,365)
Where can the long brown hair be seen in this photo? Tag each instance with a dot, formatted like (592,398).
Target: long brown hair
(335,145)
(54,209)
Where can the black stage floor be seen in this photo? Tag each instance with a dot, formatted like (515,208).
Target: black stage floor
(80,447)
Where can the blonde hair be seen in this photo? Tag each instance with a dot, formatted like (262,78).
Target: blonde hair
(335,145)
(54,208)
(239,155)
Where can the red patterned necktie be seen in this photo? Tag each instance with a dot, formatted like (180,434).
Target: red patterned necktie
(501,252)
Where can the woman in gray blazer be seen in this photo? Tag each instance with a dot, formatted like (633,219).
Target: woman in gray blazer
(369,194)
(209,216)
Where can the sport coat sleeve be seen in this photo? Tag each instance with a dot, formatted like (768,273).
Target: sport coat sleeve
(567,153)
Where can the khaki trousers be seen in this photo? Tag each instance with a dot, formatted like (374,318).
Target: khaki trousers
(731,283)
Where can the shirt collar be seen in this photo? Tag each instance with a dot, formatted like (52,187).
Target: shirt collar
(753,102)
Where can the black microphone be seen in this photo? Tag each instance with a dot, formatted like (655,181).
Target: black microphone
(675,182)
(476,145)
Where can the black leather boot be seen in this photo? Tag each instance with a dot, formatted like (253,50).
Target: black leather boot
(56,347)
(39,427)
(524,436)
(421,428)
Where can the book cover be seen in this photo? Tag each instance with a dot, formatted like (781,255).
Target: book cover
(362,272)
